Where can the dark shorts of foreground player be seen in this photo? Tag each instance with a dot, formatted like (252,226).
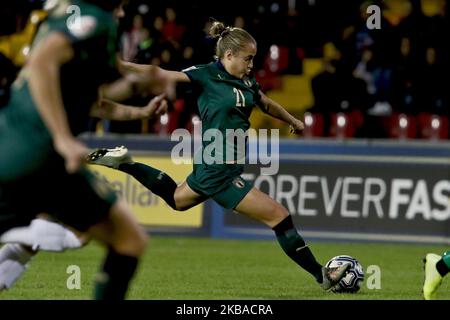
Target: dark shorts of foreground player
(78,200)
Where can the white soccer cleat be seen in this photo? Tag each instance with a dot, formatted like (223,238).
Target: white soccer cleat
(42,235)
(432,279)
(14,259)
(332,276)
(111,158)
(10,272)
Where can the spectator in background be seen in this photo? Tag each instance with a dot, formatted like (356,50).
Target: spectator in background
(431,82)
(403,97)
(336,89)
(363,71)
(132,39)
(146,47)
(172,31)
(188,58)
(385,48)
(325,88)
(205,43)
(363,38)
(168,58)
(157,28)
(426,28)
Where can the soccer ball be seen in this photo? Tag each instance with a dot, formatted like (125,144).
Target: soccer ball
(351,283)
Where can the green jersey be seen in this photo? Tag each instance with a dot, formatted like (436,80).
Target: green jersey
(225,104)
(25,142)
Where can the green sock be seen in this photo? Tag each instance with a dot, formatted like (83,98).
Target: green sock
(446,258)
(295,247)
(443,265)
(112,281)
(153,179)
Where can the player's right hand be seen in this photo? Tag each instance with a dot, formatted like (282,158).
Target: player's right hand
(156,107)
(73,151)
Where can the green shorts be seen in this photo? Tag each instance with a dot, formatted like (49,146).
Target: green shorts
(223,183)
(78,200)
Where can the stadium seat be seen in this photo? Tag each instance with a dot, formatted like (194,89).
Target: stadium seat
(341,125)
(357,118)
(402,126)
(277,59)
(20,43)
(300,53)
(314,125)
(269,80)
(432,126)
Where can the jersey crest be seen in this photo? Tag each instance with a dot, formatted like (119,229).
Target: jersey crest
(238,182)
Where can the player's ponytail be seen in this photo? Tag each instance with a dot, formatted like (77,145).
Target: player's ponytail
(229,38)
(218,29)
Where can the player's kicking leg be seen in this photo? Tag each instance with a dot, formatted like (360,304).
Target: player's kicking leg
(183,197)
(178,197)
(259,206)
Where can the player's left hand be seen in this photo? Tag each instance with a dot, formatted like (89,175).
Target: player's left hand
(296,127)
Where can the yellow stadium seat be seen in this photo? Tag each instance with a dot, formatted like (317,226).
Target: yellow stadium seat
(16,47)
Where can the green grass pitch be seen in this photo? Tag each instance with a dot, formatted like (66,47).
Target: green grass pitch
(204,269)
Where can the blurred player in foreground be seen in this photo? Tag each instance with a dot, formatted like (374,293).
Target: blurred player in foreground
(42,164)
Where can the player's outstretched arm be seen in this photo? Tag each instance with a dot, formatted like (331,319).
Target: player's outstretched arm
(152,72)
(275,110)
(142,79)
(44,76)
(107,109)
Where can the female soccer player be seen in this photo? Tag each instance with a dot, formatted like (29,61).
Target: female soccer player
(41,167)
(226,95)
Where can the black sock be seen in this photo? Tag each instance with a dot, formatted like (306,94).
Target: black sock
(112,281)
(153,179)
(442,268)
(295,247)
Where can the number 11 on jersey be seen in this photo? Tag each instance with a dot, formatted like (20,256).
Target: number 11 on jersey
(240,99)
